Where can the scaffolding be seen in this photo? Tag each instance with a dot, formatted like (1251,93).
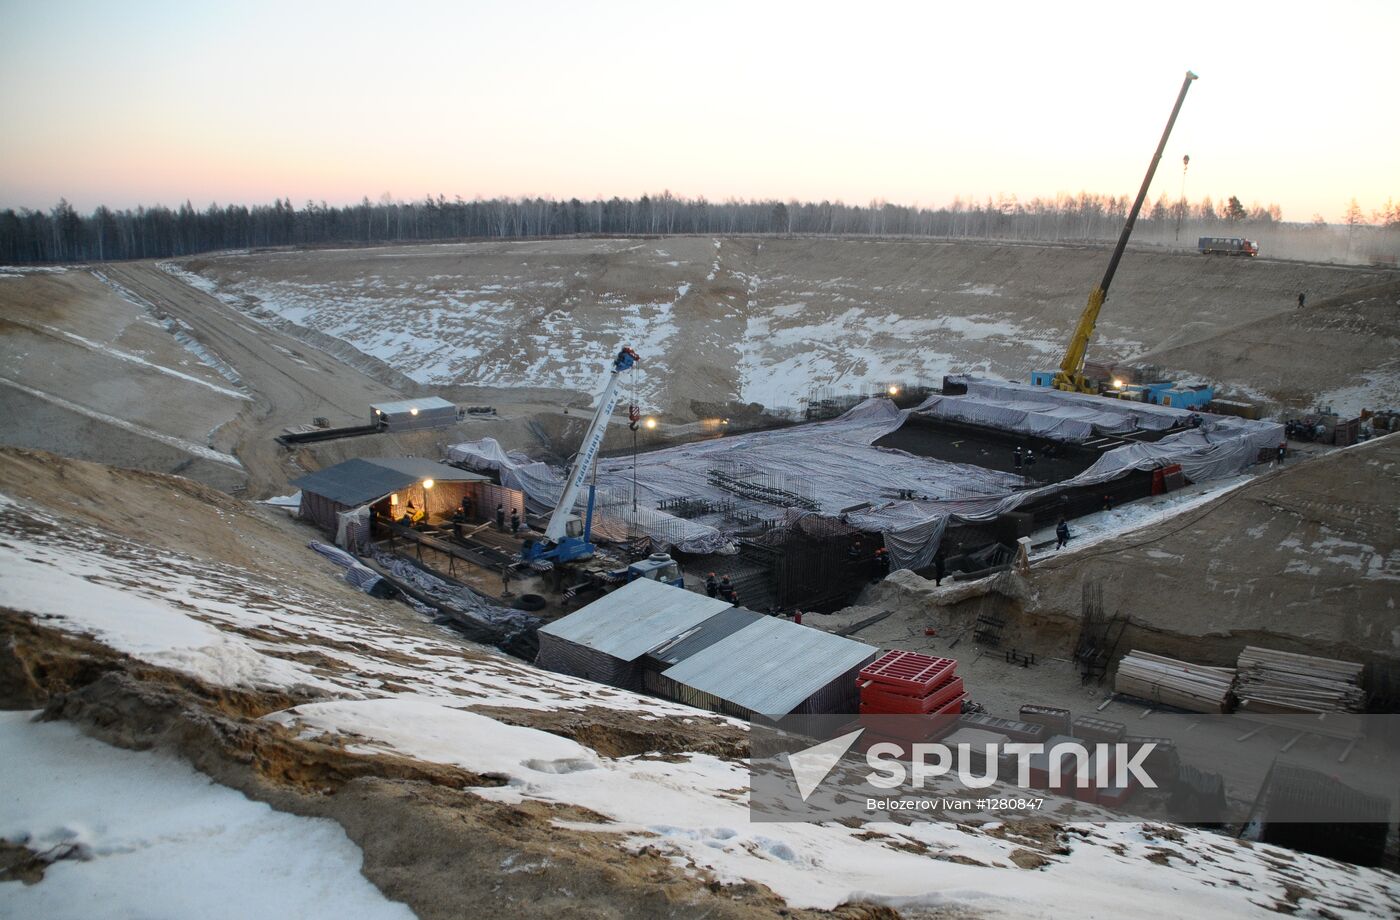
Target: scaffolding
(811,562)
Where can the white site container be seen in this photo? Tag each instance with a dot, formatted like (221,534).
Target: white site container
(408,414)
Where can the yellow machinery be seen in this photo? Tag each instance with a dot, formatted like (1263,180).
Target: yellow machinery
(1070,376)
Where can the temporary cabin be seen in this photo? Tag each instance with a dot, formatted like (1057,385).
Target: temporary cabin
(703,652)
(411,414)
(362,487)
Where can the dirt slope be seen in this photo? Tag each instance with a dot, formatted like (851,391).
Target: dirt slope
(290,383)
(1343,349)
(1305,558)
(87,372)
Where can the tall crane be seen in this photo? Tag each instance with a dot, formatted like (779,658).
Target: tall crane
(566,537)
(1070,376)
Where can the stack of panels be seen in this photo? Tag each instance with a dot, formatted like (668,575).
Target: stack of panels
(907,683)
(1284,682)
(1157,679)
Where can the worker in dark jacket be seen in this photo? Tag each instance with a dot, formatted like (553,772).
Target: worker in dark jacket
(1016,458)
(500,517)
(711,586)
(515,520)
(727,592)
(1061,534)
(879,564)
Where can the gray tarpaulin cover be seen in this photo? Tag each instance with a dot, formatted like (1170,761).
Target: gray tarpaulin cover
(834,465)
(361,576)
(614,520)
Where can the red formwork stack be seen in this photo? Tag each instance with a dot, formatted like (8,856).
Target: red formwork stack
(907,683)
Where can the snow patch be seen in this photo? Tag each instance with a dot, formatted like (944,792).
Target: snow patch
(150,837)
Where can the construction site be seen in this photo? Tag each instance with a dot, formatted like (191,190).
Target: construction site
(496,555)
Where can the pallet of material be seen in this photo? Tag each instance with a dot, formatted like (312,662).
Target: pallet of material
(1158,679)
(1285,682)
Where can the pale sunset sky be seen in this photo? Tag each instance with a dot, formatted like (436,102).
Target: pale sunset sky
(144,102)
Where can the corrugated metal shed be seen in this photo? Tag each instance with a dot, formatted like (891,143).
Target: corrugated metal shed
(771,666)
(355,482)
(635,619)
(698,638)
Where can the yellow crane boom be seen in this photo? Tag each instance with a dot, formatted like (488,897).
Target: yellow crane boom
(1070,376)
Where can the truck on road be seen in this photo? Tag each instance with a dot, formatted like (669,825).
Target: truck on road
(1227,246)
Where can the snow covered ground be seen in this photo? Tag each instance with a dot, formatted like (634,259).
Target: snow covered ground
(144,835)
(408,691)
(547,315)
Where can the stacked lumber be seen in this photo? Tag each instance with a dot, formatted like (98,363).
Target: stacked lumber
(1157,679)
(1284,682)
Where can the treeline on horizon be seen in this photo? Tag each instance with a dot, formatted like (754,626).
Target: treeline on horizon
(63,235)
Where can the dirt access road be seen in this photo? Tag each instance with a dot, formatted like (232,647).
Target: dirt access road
(290,382)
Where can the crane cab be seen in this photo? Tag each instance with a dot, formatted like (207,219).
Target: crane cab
(657,567)
(573,527)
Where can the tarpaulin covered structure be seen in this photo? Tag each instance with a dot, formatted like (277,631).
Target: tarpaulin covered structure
(1045,412)
(614,520)
(834,468)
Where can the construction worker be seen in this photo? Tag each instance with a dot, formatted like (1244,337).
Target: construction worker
(1016,457)
(711,586)
(879,564)
(500,517)
(727,592)
(412,515)
(940,570)
(466,507)
(1061,534)
(1282,451)
(515,520)
(1301,300)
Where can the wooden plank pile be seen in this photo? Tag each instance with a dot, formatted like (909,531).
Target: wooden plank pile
(1157,679)
(1285,682)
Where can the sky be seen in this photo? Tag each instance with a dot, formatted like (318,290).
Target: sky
(146,102)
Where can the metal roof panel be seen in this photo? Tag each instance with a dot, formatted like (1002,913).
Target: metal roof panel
(635,619)
(770,666)
(361,480)
(422,404)
(701,637)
